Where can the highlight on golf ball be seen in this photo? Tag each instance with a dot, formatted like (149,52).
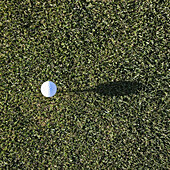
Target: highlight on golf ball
(48,89)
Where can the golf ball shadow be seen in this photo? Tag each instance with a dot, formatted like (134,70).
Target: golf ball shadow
(119,88)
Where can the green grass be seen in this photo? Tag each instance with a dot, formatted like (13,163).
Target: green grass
(109,61)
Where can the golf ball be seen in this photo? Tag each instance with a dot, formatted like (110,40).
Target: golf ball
(48,89)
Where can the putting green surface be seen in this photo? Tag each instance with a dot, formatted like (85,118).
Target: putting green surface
(109,60)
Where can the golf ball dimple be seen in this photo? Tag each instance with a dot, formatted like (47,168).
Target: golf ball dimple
(48,89)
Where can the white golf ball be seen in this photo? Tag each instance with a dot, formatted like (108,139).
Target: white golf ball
(48,89)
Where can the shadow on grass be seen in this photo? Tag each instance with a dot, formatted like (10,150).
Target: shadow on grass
(119,88)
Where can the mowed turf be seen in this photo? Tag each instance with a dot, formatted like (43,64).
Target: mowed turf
(109,60)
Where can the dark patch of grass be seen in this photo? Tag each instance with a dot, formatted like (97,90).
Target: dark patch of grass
(119,88)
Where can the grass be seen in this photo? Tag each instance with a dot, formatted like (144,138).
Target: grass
(109,61)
